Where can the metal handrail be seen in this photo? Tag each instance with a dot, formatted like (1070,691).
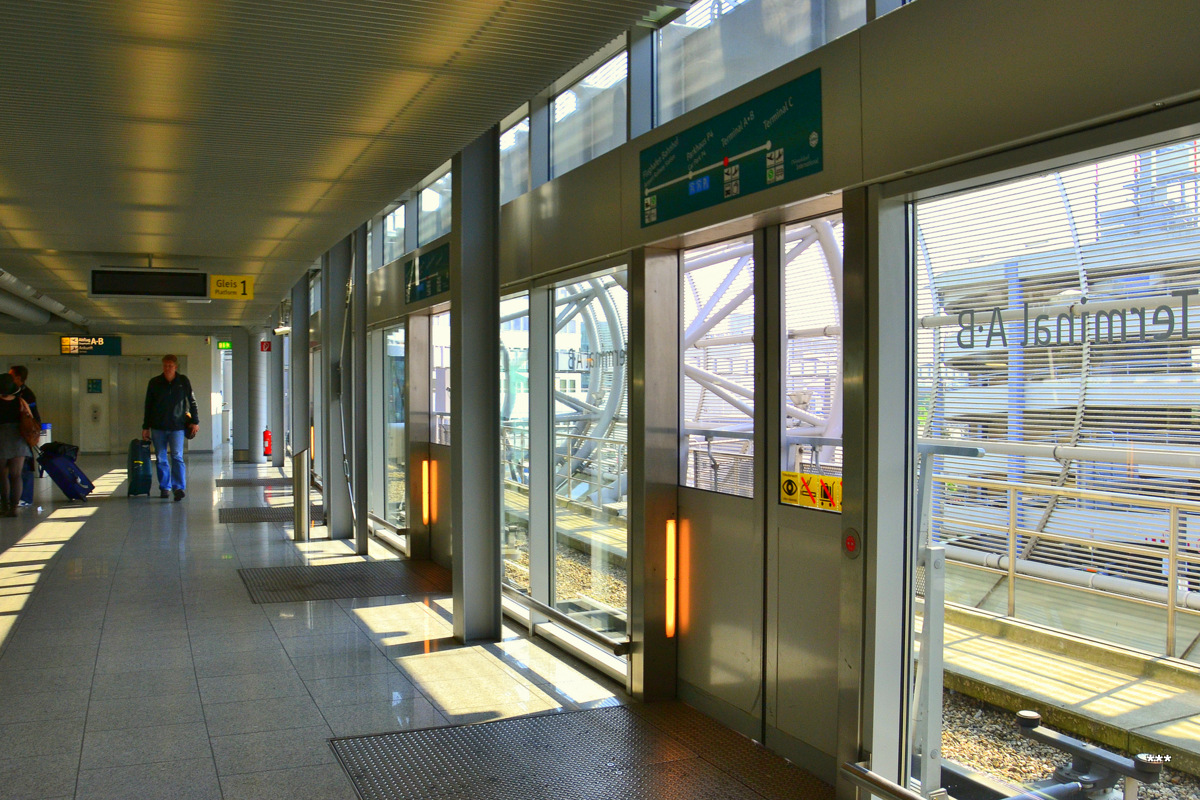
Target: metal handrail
(862,777)
(1013,531)
(1077,494)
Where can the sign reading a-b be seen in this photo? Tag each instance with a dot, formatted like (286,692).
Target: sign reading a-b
(231,287)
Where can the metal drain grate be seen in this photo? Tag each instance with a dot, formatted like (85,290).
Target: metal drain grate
(331,581)
(266,514)
(254,481)
(600,753)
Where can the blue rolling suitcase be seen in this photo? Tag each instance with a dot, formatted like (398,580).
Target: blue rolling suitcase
(139,467)
(66,475)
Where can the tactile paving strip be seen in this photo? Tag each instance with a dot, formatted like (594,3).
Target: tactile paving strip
(266,514)
(254,481)
(331,581)
(585,755)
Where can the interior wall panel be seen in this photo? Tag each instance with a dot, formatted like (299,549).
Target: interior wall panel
(1006,73)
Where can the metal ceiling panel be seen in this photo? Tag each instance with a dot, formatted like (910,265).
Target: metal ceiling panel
(247,136)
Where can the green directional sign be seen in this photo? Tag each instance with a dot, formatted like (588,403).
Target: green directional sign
(427,275)
(772,139)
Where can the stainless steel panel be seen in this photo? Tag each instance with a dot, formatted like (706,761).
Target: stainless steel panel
(441,523)
(806,566)
(385,294)
(127,401)
(721,598)
(1033,76)
(516,239)
(577,217)
(654,464)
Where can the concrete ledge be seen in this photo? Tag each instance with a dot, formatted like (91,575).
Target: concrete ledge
(1173,671)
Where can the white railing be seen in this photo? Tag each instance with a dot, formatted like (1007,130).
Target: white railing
(1138,536)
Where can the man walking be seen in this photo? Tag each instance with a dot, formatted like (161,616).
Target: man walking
(170,411)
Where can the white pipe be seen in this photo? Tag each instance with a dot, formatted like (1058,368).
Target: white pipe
(1109,455)
(22,289)
(1075,577)
(25,312)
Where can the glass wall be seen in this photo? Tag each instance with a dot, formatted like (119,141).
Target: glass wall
(514,440)
(393,235)
(395,442)
(439,378)
(514,161)
(718,45)
(717,385)
(589,118)
(434,219)
(812,351)
(1057,389)
(591,458)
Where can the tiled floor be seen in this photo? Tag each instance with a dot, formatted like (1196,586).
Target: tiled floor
(135,666)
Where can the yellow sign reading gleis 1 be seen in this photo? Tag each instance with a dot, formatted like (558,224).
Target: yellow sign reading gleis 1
(231,287)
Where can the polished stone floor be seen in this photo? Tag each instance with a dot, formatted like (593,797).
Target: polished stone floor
(133,664)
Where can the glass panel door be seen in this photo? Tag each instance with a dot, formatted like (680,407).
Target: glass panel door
(439,378)
(395,441)
(514,440)
(590,452)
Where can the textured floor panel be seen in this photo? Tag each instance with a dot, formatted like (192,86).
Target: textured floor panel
(254,481)
(333,581)
(265,514)
(586,755)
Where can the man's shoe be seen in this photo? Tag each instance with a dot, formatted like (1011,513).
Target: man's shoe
(178,495)
(164,493)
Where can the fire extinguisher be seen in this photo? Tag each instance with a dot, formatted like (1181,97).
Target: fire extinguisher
(267,442)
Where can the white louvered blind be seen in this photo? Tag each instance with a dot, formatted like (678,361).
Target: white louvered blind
(1059,329)
(812,357)
(718,367)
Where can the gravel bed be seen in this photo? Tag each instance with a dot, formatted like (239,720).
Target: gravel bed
(985,738)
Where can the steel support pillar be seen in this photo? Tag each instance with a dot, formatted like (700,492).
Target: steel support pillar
(475,378)
(239,402)
(359,484)
(336,486)
(299,394)
(259,369)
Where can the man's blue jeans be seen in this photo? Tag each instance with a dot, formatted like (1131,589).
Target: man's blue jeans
(172,474)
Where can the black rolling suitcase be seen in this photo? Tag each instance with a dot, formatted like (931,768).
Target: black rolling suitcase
(139,467)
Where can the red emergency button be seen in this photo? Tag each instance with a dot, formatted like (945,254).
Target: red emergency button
(851,544)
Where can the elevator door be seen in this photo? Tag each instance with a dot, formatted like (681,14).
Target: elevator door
(128,376)
(51,379)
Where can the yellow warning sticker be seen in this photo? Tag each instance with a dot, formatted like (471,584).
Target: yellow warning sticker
(811,491)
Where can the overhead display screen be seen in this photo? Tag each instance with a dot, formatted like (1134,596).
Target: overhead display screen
(151,283)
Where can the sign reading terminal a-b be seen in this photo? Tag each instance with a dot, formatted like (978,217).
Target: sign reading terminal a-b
(231,287)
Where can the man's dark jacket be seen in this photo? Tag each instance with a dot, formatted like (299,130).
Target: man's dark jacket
(168,404)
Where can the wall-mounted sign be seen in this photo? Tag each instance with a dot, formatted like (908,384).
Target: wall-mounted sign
(224,345)
(811,491)
(264,347)
(427,275)
(90,345)
(95,386)
(772,139)
(231,287)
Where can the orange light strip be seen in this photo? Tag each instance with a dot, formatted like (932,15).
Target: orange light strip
(433,490)
(671,557)
(425,492)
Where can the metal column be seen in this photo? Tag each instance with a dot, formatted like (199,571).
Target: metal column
(259,380)
(358,390)
(475,377)
(275,382)
(298,369)
(239,402)
(333,317)
(654,467)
